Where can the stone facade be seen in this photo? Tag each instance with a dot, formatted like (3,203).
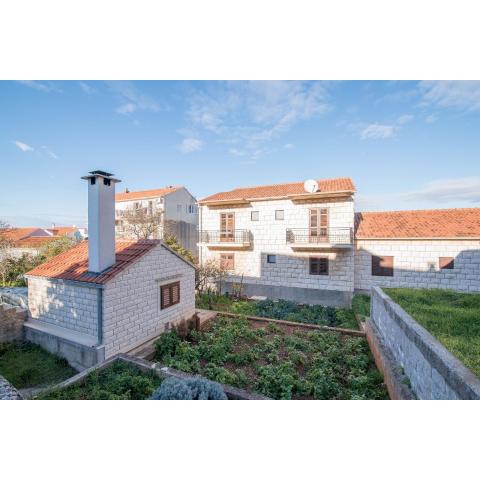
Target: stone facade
(64,304)
(12,319)
(416,264)
(434,373)
(131,300)
(269,238)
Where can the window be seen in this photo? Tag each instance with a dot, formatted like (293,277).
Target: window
(169,295)
(446,263)
(271,259)
(318,266)
(179,208)
(227,261)
(255,216)
(382,266)
(279,214)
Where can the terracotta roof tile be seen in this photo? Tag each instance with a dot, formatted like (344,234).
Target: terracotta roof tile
(73,264)
(14,234)
(34,242)
(281,190)
(160,192)
(446,223)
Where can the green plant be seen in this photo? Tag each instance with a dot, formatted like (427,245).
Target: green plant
(189,389)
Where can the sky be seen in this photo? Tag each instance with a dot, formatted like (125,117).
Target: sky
(406,145)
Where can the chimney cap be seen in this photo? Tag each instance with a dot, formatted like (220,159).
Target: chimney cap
(102,174)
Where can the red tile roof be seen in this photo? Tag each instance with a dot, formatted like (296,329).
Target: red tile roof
(446,223)
(14,234)
(160,192)
(34,242)
(281,190)
(73,264)
(31,237)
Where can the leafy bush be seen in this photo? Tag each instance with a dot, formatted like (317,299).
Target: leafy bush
(190,389)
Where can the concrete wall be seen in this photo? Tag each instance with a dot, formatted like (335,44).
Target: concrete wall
(269,237)
(59,303)
(434,373)
(12,319)
(131,300)
(416,264)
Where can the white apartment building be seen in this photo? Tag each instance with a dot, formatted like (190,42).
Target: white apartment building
(282,241)
(175,205)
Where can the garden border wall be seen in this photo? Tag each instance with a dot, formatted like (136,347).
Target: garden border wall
(406,347)
(12,318)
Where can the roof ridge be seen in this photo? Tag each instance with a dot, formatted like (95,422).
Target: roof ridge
(418,210)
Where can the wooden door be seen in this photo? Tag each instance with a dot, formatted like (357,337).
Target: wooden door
(318,231)
(227,227)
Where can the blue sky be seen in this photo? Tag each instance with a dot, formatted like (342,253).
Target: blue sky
(407,145)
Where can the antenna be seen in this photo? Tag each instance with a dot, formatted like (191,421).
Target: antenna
(311,186)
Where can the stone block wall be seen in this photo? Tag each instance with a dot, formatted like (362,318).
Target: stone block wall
(12,319)
(434,373)
(8,391)
(64,304)
(269,237)
(131,300)
(416,264)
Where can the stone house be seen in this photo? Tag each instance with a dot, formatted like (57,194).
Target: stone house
(306,244)
(104,297)
(175,206)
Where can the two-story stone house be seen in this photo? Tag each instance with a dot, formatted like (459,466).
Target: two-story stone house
(175,206)
(280,241)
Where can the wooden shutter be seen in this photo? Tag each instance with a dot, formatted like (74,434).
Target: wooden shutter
(446,263)
(227,227)
(382,266)
(227,261)
(318,224)
(169,295)
(318,266)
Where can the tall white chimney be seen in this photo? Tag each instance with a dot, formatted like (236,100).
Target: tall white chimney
(101,220)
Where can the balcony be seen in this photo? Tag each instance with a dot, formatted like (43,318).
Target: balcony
(226,239)
(331,238)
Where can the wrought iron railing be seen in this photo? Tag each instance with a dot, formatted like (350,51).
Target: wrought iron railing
(307,236)
(227,236)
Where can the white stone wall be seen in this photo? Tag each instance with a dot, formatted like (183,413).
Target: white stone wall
(131,300)
(416,264)
(63,304)
(269,237)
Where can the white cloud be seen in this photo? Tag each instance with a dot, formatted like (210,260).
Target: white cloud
(376,131)
(289,146)
(23,146)
(190,145)
(132,98)
(448,190)
(255,112)
(462,95)
(431,118)
(40,86)
(403,119)
(49,152)
(86,88)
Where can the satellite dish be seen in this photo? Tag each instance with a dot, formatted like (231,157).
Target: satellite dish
(311,186)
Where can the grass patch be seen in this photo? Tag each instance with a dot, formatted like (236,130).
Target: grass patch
(26,365)
(281,310)
(279,362)
(453,318)
(361,304)
(119,381)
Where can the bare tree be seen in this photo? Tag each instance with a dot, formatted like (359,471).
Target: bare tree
(5,250)
(210,273)
(142,223)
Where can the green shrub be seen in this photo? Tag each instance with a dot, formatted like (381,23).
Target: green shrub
(166,345)
(189,389)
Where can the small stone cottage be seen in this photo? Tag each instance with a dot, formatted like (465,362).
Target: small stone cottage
(104,297)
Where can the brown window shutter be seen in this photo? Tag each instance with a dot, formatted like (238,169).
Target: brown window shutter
(318,266)
(446,263)
(382,266)
(169,295)
(227,261)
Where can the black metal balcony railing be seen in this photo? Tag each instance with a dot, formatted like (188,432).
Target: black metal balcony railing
(229,236)
(307,236)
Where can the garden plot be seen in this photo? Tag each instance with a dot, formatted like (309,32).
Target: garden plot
(281,362)
(281,310)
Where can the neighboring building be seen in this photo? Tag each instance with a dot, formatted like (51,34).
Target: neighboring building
(418,248)
(100,298)
(32,239)
(280,241)
(176,207)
